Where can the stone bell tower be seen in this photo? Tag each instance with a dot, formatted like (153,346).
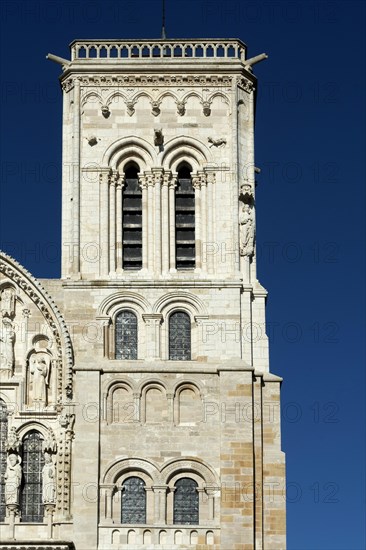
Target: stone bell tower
(175,439)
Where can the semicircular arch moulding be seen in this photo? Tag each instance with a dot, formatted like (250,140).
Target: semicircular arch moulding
(188,464)
(178,299)
(188,149)
(114,470)
(24,281)
(122,300)
(130,148)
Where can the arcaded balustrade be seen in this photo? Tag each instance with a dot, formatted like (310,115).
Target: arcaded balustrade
(144,49)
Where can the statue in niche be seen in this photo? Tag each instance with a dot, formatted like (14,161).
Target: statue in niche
(7,339)
(13,479)
(246,222)
(7,306)
(48,480)
(39,368)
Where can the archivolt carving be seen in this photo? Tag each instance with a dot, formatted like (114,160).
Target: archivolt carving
(123,299)
(177,299)
(114,470)
(186,147)
(35,291)
(128,147)
(187,465)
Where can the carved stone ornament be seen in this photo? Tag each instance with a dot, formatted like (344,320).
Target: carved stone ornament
(221,142)
(13,442)
(7,339)
(49,443)
(105,111)
(158,137)
(130,104)
(246,193)
(181,108)
(206,108)
(155,108)
(246,224)
(92,140)
(13,479)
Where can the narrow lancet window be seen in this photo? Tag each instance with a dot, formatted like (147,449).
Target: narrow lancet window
(126,335)
(186,503)
(33,462)
(185,219)
(179,336)
(132,219)
(133,501)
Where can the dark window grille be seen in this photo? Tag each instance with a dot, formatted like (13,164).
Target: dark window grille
(179,336)
(132,220)
(185,249)
(33,462)
(3,455)
(133,501)
(186,504)
(126,335)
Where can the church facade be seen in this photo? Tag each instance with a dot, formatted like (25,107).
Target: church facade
(137,405)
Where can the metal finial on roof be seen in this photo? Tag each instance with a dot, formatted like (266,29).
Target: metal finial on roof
(163,33)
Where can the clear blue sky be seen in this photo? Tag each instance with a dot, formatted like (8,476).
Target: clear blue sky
(310,208)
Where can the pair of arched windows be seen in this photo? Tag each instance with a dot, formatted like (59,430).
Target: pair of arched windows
(126,336)
(32,463)
(184,219)
(185,507)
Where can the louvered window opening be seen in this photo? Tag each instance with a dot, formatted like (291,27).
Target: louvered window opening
(3,455)
(132,221)
(186,502)
(133,501)
(126,335)
(33,462)
(179,336)
(185,221)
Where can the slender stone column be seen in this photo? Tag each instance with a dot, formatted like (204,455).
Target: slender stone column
(76,182)
(158,179)
(196,182)
(211,248)
(119,222)
(172,185)
(112,222)
(203,220)
(165,230)
(160,504)
(153,322)
(104,179)
(150,220)
(143,185)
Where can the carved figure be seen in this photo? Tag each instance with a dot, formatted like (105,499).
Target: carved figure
(67,420)
(92,140)
(105,111)
(7,339)
(13,479)
(155,108)
(246,222)
(48,481)
(130,107)
(206,108)
(8,302)
(39,368)
(217,142)
(181,108)
(158,137)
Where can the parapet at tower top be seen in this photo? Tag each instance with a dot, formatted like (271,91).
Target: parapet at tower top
(188,51)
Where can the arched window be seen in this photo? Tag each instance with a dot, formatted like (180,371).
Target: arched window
(179,336)
(186,504)
(3,438)
(126,335)
(133,501)
(132,219)
(184,219)
(32,463)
